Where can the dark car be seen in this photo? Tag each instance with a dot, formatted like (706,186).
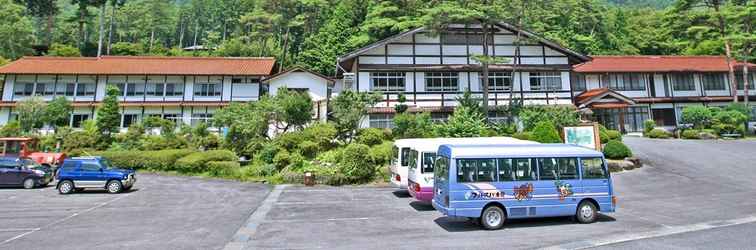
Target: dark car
(93,172)
(21,172)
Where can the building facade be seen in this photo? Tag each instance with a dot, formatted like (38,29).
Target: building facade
(659,87)
(186,90)
(431,71)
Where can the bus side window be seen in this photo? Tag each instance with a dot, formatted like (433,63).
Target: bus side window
(567,169)
(505,170)
(465,171)
(486,170)
(524,170)
(593,168)
(547,169)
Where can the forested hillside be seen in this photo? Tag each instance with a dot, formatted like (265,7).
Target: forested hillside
(314,32)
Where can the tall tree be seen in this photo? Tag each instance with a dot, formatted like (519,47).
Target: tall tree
(57,112)
(16,30)
(108,118)
(716,20)
(31,113)
(44,9)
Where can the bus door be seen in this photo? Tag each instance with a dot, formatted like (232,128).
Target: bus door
(595,179)
(558,182)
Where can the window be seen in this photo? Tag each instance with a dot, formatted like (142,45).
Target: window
(85,89)
(454,38)
(557,168)
(683,82)
(129,119)
(90,167)
(505,170)
(201,118)
(65,89)
(120,86)
(405,157)
(498,117)
(174,89)
(381,120)
(155,89)
(412,159)
(499,81)
(624,82)
(441,169)
(439,117)
(578,81)
(428,162)
(593,168)
(135,89)
(739,81)
(76,120)
(45,89)
(713,81)
(545,81)
(442,81)
(175,118)
(68,165)
(525,169)
(387,81)
(23,89)
(207,89)
(476,170)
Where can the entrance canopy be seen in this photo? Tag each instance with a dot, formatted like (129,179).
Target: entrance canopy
(602,98)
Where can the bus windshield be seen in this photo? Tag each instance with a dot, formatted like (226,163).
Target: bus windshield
(441,169)
(428,160)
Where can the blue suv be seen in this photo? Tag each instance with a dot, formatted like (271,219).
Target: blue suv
(78,173)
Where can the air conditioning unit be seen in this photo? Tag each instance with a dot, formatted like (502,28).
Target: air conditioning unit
(348,80)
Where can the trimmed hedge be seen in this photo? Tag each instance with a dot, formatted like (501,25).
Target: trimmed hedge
(616,150)
(353,164)
(690,134)
(648,125)
(545,132)
(152,160)
(223,168)
(197,162)
(659,133)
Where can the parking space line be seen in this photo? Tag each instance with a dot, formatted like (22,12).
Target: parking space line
(246,231)
(17,229)
(657,233)
(65,218)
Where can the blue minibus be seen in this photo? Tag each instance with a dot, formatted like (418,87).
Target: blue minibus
(493,183)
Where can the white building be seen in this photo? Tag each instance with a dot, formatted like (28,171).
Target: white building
(184,89)
(431,71)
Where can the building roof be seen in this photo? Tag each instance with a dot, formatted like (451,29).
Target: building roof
(602,98)
(141,65)
(297,69)
(601,64)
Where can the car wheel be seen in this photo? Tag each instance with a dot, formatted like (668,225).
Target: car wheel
(29,183)
(586,212)
(114,187)
(492,218)
(66,187)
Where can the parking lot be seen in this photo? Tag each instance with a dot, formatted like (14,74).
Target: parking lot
(690,194)
(697,194)
(161,212)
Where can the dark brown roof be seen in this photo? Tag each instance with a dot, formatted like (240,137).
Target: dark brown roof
(141,65)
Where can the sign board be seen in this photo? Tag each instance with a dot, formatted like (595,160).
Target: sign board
(584,135)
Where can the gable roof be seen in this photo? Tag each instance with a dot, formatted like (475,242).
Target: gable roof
(141,65)
(503,25)
(639,64)
(602,98)
(297,69)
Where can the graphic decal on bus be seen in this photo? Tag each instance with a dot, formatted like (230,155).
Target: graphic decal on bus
(524,191)
(564,189)
(481,191)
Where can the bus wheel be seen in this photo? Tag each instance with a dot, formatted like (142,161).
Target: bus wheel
(493,218)
(586,212)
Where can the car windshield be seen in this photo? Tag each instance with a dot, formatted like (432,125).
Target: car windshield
(106,164)
(30,164)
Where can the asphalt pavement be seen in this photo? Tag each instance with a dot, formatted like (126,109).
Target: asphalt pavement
(160,212)
(688,192)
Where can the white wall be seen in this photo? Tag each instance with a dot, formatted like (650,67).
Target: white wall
(317,86)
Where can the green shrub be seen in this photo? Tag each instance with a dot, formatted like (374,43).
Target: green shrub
(648,125)
(197,162)
(308,148)
(259,170)
(332,156)
(267,152)
(353,164)
(560,116)
(370,136)
(690,134)
(616,150)
(729,122)
(224,168)
(407,125)
(323,134)
(699,116)
(545,132)
(659,133)
(523,135)
(381,154)
(613,135)
(161,160)
(79,139)
(157,142)
(282,159)
(290,140)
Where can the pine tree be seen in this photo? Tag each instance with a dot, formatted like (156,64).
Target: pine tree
(108,118)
